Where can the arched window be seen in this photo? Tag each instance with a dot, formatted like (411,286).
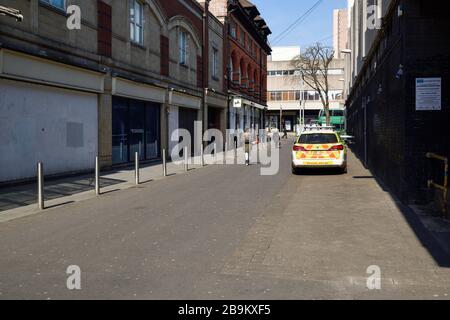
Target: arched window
(183,47)
(242,75)
(249,76)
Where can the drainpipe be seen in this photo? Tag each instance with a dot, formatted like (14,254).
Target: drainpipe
(205,54)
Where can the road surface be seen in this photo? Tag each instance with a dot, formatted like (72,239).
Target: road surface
(226,232)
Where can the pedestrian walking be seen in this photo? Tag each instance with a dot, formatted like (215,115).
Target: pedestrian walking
(284,132)
(247,146)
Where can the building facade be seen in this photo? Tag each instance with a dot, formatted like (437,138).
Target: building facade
(288,95)
(340,32)
(245,55)
(397,80)
(121,84)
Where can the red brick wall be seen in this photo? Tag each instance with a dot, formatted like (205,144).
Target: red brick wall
(164,55)
(104,33)
(257,89)
(174,8)
(199,72)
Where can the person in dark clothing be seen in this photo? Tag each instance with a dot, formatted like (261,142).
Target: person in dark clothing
(284,132)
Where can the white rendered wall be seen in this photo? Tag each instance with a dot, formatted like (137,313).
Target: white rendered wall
(42,123)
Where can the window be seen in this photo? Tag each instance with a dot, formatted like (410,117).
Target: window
(242,37)
(183,47)
(233,30)
(337,113)
(136,22)
(215,61)
(60,4)
(275,96)
(317,138)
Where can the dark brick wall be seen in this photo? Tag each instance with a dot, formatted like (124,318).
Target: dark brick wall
(398,136)
(427,54)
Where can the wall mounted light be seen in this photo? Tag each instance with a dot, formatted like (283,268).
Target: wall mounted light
(399,72)
(380,89)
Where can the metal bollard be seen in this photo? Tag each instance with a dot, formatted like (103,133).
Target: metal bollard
(215,151)
(186,165)
(202,159)
(226,151)
(97,176)
(40,178)
(164,163)
(257,152)
(136,167)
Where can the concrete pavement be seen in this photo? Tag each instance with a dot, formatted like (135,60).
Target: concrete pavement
(227,232)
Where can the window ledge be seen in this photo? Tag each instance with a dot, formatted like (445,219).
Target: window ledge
(53,8)
(184,65)
(138,45)
(215,78)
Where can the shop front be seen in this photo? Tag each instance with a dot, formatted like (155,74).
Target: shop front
(245,114)
(135,128)
(136,121)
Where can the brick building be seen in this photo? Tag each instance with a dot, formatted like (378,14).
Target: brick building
(245,53)
(386,71)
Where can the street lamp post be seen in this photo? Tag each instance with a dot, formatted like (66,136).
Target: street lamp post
(281,116)
(302,105)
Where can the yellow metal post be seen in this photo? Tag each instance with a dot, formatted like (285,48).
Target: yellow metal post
(443,188)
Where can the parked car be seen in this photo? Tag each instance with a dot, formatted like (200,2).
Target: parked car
(317,147)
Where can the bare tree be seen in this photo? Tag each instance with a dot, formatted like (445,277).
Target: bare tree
(313,65)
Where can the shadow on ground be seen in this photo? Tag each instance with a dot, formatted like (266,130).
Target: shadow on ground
(26,194)
(429,239)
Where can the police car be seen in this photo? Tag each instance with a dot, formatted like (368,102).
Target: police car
(319,147)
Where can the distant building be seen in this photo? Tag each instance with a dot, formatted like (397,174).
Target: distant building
(286,94)
(284,53)
(340,31)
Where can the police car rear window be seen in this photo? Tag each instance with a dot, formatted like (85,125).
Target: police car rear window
(317,138)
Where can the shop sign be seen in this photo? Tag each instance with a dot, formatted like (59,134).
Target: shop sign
(237,103)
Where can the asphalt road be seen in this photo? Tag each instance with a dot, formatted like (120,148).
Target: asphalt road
(226,232)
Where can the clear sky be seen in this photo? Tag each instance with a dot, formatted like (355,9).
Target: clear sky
(279,14)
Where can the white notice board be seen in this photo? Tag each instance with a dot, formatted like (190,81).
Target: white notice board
(428,94)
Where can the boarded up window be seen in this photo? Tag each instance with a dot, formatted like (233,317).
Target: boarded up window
(104,33)
(74,135)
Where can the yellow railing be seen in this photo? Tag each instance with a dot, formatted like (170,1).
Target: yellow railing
(444,187)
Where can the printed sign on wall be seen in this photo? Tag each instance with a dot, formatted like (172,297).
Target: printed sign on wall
(428,94)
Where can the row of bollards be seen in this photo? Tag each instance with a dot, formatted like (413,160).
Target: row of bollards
(40,171)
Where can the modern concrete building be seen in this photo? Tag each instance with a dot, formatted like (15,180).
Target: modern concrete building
(340,31)
(287,95)
(397,85)
(246,54)
(121,84)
